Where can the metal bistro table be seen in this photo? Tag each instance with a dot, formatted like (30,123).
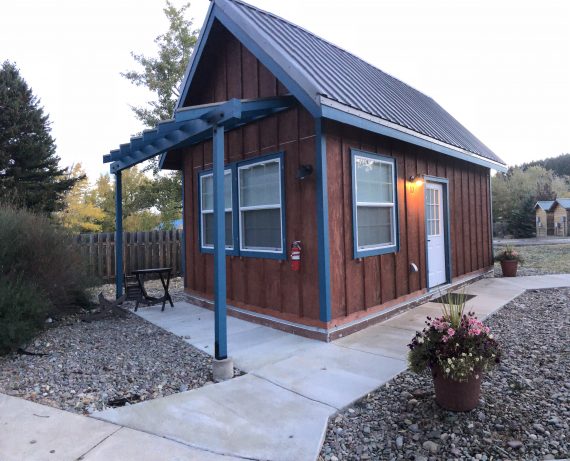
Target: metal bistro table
(162,272)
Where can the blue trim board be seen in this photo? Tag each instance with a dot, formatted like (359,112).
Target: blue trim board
(325,302)
(196,55)
(236,251)
(220,327)
(183,243)
(359,122)
(357,254)
(118,234)
(446,223)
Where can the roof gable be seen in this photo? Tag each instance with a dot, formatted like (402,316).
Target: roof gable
(563,202)
(320,74)
(546,205)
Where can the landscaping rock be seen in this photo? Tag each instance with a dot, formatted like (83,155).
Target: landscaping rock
(87,366)
(520,398)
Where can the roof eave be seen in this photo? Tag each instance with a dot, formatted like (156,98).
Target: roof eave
(342,113)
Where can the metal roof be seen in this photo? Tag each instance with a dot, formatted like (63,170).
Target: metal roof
(564,202)
(328,73)
(546,205)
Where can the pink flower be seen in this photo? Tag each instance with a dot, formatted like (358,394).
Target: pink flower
(475,332)
(444,338)
(450,331)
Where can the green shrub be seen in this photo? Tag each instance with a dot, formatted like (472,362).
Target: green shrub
(23,311)
(34,250)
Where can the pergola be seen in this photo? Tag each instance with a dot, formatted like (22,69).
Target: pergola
(189,126)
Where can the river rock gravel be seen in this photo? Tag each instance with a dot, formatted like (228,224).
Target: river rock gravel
(88,366)
(524,413)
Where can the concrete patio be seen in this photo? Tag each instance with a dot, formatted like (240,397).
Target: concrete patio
(280,409)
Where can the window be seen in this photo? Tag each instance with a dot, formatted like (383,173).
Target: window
(260,206)
(254,208)
(432,212)
(207,209)
(374,204)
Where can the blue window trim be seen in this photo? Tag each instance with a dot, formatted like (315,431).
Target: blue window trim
(374,251)
(446,224)
(237,251)
(203,249)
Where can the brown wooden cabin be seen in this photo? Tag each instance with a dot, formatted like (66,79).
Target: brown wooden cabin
(561,216)
(544,218)
(388,194)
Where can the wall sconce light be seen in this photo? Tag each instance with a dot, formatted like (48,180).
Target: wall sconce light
(415,181)
(304,171)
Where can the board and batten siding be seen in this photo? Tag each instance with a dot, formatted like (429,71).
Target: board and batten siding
(228,70)
(262,285)
(561,228)
(359,285)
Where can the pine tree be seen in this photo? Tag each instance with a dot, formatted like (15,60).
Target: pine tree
(29,167)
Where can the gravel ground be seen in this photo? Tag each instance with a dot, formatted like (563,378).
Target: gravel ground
(152,287)
(88,364)
(525,407)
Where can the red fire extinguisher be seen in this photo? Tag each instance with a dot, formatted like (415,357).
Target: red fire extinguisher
(296,255)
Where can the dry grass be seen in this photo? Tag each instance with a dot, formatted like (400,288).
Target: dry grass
(542,259)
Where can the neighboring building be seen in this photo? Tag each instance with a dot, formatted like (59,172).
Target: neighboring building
(544,218)
(561,216)
(388,194)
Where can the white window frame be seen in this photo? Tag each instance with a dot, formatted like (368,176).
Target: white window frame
(363,250)
(242,209)
(227,171)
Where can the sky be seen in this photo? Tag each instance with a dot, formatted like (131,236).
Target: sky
(502,68)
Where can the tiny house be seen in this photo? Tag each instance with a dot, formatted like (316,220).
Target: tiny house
(561,215)
(544,218)
(347,194)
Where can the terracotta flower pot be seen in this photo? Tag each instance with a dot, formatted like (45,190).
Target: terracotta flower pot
(455,395)
(509,268)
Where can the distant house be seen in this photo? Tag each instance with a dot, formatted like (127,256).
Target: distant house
(544,218)
(388,194)
(561,215)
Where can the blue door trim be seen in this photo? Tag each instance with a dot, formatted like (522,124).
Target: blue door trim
(446,224)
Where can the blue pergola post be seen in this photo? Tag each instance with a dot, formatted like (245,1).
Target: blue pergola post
(220,347)
(118,234)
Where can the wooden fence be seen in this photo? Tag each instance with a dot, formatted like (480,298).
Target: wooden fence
(141,250)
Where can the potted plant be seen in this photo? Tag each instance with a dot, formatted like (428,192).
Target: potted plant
(509,259)
(457,348)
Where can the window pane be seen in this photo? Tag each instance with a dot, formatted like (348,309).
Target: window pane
(262,229)
(373,181)
(260,185)
(208,229)
(208,192)
(374,226)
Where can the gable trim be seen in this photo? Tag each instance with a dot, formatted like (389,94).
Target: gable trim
(263,48)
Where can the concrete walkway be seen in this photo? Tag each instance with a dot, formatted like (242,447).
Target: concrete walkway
(278,411)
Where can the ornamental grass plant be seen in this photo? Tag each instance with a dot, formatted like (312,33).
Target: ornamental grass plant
(457,344)
(509,254)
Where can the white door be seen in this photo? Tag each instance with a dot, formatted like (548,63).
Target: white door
(435,234)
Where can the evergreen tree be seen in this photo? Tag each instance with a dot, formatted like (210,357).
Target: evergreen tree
(29,167)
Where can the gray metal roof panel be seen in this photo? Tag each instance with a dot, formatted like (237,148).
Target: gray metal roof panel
(349,80)
(546,205)
(564,202)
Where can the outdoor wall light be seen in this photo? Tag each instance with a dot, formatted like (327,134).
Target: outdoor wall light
(415,181)
(304,171)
